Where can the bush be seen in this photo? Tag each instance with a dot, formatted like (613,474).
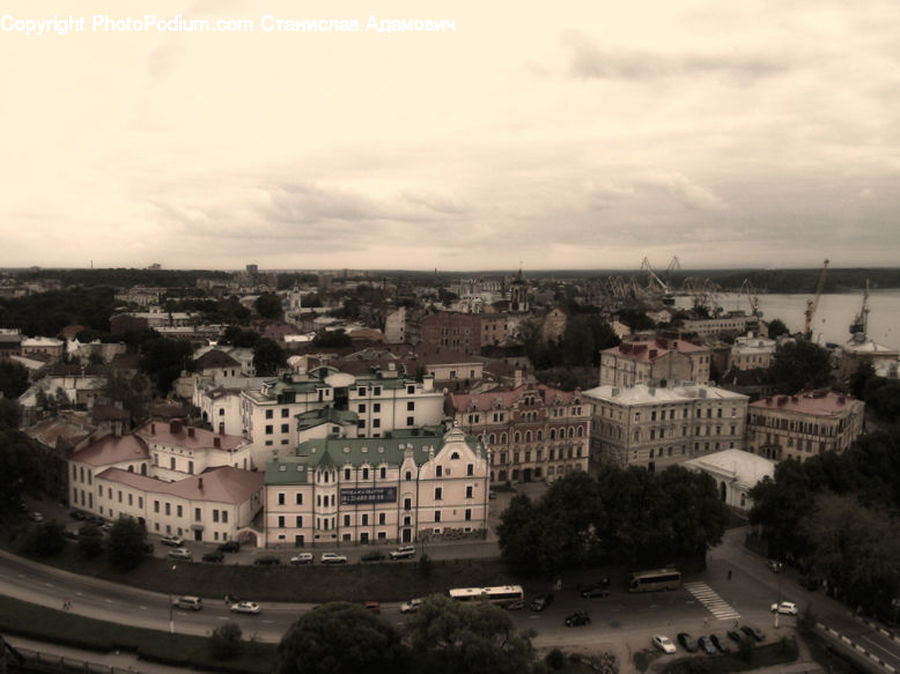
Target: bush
(44,540)
(555,659)
(90,541)
(225,642)
(425,565)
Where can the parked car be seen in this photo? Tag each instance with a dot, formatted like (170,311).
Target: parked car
(404,552)
(174,541)
(541,602)
(594,591)
(374,607)
(736,636)
(107,526)
(373,556)
(687,642)
(230,546)
(267,560)
(773,566)
(180,553)
(36,516)
(214,556)
(577,619)
(753,631)
(71,535)
(410,606)
(332,558)
(664,644)
(706,645)
(719,643)
(78,515)
(250,607)
(784,608)
(189,603)
(302,558)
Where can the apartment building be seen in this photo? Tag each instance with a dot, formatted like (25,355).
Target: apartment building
(535,432)
(804,425)
(404,487)
(751,353)
(657,427)
(654,363)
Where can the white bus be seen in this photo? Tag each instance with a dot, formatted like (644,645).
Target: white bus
(507,596)
(651,581)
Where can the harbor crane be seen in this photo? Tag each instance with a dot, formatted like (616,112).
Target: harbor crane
(859,327)
(812,304)
(668,298)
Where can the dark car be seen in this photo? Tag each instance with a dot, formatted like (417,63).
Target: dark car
(577,619)
(213,556)
(230,546)
(594,591)
(373,556)
(541,602)
(706,645)
(753,632)
(78,515)
(687,642)
(268,560)
(735,636)
(719,643)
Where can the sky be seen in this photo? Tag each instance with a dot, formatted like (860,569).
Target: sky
(580,134)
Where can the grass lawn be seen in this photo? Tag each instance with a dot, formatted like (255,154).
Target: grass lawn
(38,622)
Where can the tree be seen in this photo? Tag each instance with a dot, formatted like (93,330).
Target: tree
(13,379)
(800,364)
(240,337)
(332,339)
(777,328)
(268,358)
(163,360)
(133,393)
(90,541)
(447,637)
(517,533)
(268,305)
(20,469)
(127,543)
(340,638)
(10,413)
(45,540)
(225,642)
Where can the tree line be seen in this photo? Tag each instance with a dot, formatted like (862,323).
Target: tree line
(624,516)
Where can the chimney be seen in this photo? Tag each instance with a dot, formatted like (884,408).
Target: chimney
(175,426)
(217,442)
(199,483)
(190,431)
(152,429)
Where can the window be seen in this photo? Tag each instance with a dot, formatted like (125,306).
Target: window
(269,429)
(361,423)
(155,505)
(383,472)
(361,408)
(468,514)
(410,421)
(438,493)
(346,473)
(411,389)
(469,492)
(172,463)
(224,517)
(179,512)
(361,391)
(299,522)
(376,407)
(407,503)
(285,428)
(215,515)
(284,412)
(376,423)
(281,521)
(408,475)
(470,469)
(365,519)
(120,496)
(269,414)
(299,498)
(439,471)
(376,391)
(346,520)
(437,515)
(410,406)
(381,518)
(130,503)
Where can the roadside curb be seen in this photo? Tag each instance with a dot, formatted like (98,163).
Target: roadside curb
(855,646)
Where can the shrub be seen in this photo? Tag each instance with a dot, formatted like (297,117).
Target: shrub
(44,540)
(555,659)
(225,642)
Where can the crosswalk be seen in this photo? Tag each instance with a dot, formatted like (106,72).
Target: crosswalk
(720,608)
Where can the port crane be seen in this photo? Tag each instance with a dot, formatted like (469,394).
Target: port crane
(859,326)
(753,301)
(668,298)
(812,304)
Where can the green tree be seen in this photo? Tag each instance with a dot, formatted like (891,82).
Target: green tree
(225,642)
(163,361)
(10,413)
(341,638)
(800,364)
(13,379)
(780,505)
(777,328)
(132,392)
(447,637)
(90,541)
(127,543)
(516,535)
(268,358)
(20,469)
(268,305)
(44,540)
(240,337)
(332,339)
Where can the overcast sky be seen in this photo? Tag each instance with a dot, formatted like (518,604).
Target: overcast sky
(586,134)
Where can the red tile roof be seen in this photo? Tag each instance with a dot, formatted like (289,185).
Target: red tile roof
(508,397)
(816,403)
(224,484)
(175,434)
(112,449)
(649,351)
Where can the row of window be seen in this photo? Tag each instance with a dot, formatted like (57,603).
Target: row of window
(564,452)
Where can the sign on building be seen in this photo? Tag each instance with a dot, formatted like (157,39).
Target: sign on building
(360,495)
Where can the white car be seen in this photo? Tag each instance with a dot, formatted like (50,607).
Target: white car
(302,558)
(245,607)
(180,553)
(410,606)
(406,552)
(333,558)
(784,608)
(664,643)
(174,541)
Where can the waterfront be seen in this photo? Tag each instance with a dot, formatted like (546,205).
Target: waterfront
(834,314)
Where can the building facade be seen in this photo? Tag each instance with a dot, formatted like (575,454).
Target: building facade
(804,425)
(411,486)
(736,472)
(658,427)
(751,353)
(654,363)
(535,432)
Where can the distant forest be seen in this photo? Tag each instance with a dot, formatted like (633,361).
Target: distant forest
(763,280)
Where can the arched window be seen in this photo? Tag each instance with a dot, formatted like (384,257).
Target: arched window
(571,432)
(540,435)
(527,436)
(503,438)
(518,437)
(492,439)
(553,434)
(455,455)
(580,431)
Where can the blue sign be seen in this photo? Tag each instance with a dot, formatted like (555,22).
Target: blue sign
(359,495)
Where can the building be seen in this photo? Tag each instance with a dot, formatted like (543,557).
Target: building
(178,451)
(10,343)
(466,333)
(534,432)
(410,486)
(736,472)
(46,347)
(751,353)
(732,323)
(654,363)
(800,426)
(659,427)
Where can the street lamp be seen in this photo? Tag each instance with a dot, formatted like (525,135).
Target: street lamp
(171,607)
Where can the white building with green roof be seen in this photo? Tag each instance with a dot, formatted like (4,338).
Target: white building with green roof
(422,484)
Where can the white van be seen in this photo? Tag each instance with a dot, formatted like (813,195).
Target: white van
(188,603)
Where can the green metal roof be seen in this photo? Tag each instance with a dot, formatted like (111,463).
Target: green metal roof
(325,415)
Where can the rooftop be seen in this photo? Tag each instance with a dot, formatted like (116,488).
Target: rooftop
(176,434)
(112,449)
(643,394)
(506,398)
(816,403)
(224,484)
